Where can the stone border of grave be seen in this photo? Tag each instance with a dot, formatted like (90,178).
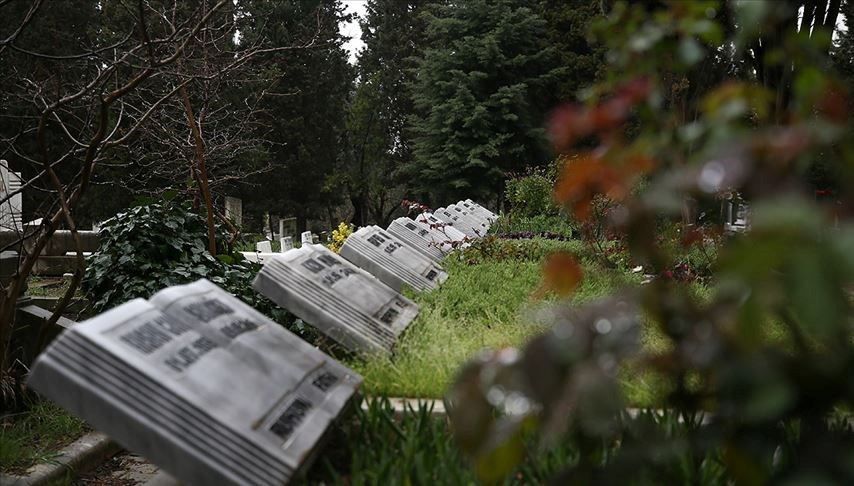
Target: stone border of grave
(83,455)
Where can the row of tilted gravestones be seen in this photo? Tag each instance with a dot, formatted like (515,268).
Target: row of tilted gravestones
(214,392)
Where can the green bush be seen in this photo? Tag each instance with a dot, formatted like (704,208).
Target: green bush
(531,195)
(157,245)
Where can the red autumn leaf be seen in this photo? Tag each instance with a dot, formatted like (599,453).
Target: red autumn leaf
(584,178)
(562,273)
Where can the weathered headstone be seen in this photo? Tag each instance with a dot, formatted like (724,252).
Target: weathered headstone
(475,207)
(264,247)
(392,261)
(234,210)
(430,242)
(11,199)
(286,243)
(453,234)
(306,238)
(288,227)
(338,298)
(461,221)
(199,383)
(478,211)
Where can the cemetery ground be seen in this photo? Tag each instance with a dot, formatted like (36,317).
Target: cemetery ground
(491,301)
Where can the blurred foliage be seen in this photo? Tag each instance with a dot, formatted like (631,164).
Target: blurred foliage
(159,244)
(753,410)
(557,227)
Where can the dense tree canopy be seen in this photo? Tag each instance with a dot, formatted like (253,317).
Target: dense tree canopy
(480,94)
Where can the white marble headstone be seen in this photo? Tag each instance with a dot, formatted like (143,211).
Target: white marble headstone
(430,242)
(306,238)
(286,243)
(452,234)
(460,221)
(264,247)
(200,384)
(234,210)
(394,262)
(338,298)
(11,207)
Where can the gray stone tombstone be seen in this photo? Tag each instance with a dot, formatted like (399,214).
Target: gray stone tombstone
(341,300)
(431,243)
(452,234)
(479,211)
(288,227)
(306,238)
(286,243)
(234,210)
(264,247)
(477,207)
(200,384)
(461,222)
(394,262)
(11,199)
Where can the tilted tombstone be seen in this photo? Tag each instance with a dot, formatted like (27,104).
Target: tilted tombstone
(392,261)
(234,210)
(338,298)
(199,383)
(286,243)
(264,247)
(478,221)
(11,208)
(460,221)
(468,203)
(306,238)
(476,209)
(429,242)
(453,235)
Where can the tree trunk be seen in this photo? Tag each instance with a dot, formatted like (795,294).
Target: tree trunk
(200,168)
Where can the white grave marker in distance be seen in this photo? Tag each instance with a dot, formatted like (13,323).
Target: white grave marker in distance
(341,300)
(454,235)
(478,223)
(286,243)
(200,384)
(479,207)
(264,247)
(456,220)
(306,238)
(431,243)
(392,261)
(479,211)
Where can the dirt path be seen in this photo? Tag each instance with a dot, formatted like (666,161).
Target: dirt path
(123,469)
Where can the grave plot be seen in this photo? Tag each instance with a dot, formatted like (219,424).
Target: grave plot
(338,298)
(430,242)
(462,221)
(476,208)
(452,234)
(199,383)
(395,263)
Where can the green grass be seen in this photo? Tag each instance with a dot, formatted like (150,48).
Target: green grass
(36,435)
(484,306)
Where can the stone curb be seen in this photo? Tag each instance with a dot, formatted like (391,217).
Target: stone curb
(82,455)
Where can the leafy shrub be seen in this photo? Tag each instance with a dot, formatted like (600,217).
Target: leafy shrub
(758,409)
(531,195)
(157,245)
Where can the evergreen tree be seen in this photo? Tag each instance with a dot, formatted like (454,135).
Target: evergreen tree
(567,27)
(393,33)
(481,92)
(304,106)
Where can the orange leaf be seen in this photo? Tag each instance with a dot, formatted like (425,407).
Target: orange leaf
(562,273)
